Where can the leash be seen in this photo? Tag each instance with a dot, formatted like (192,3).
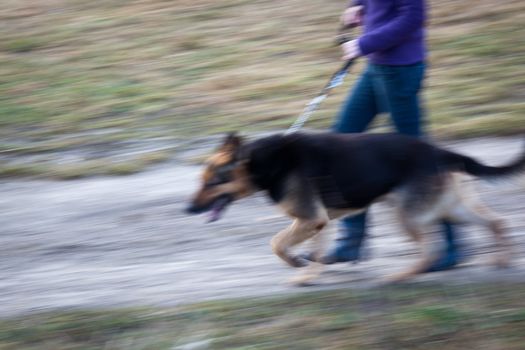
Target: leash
(336,80)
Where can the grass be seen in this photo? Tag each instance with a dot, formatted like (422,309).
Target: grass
(148,69)
(403,317)
(92,167)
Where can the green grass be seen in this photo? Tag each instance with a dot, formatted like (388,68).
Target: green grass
(403,317)
(181,68)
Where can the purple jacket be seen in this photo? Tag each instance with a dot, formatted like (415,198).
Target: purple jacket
(394,32)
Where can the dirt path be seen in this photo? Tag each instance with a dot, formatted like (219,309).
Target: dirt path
(126,242)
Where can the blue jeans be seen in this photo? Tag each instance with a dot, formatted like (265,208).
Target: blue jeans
(383,89)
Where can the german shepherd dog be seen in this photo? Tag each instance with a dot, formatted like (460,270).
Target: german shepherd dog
(315,178)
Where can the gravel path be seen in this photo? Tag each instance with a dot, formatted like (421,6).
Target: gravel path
(125,241)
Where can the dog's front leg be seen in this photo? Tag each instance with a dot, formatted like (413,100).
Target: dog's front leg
(299,231)
(314,268)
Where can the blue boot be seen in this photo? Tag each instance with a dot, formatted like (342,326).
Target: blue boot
(451,256)
(348,244)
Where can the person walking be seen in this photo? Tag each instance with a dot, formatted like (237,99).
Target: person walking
(393,40)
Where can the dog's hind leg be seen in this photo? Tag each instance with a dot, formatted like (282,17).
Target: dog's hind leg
(428,244)
(471,210)
(418,208)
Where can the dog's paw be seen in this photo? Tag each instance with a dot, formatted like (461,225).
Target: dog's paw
(501,262)
(309,256)
(301,281)
(307,276)
(396,278)
(304,279)
(297,261)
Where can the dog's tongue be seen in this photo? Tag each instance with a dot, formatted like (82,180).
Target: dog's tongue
(216,211)
(215,214)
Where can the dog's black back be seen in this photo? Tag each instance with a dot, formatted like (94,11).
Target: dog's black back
(350,170)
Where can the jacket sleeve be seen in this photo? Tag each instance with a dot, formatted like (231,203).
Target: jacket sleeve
(410,16)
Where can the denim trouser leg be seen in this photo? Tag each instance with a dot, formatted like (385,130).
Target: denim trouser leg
(360,107)
(358,111)
(399,89)
(393,89)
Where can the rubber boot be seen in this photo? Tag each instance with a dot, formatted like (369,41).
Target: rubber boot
(452,254)
(348,244)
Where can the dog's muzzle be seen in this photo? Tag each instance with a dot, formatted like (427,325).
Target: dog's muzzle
(217,207)
(195,209)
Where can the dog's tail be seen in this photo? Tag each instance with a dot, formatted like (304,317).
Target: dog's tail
(458,162)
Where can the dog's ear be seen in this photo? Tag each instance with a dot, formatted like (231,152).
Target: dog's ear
(231,143)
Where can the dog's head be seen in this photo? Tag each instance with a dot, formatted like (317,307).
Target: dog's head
(224,180)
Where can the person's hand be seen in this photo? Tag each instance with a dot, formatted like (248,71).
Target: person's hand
(353,16)
(351,50)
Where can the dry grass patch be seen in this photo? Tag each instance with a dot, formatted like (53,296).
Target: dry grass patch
(186,68)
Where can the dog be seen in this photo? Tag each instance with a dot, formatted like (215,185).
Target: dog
(315,178)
